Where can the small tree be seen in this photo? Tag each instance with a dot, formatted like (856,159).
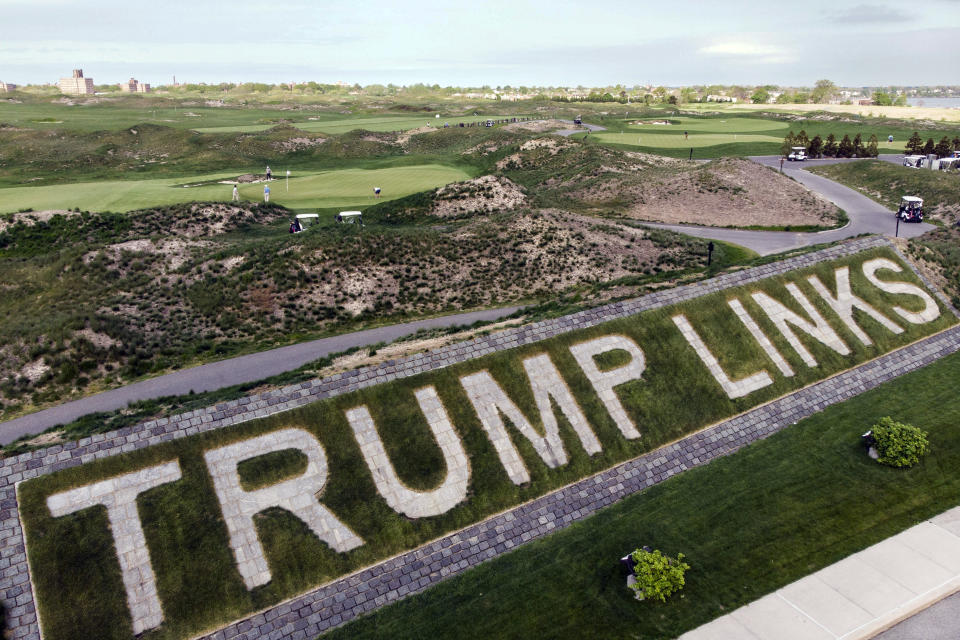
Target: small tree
(872,150)
(898,444)
(760,96)
(830,148)
(943,147)
(845,150)
(788,141)
(801,140)
(858,148)
(914,144)
(815,148)
(657,576)
(882,99)
(929,147)
(955,143)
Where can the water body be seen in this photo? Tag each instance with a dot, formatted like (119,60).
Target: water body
(951,103)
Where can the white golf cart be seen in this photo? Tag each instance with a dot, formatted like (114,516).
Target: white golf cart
(304,221)
(350,217)
(911,209)
(797,153)
(915,162)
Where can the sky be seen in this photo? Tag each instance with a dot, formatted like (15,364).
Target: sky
(485,42)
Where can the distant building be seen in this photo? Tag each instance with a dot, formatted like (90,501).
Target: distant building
(718,98)
(134,86)
(7,86)
(77,84)
(865,103)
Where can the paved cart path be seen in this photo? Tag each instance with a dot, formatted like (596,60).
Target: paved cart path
(866,216)
(226,373)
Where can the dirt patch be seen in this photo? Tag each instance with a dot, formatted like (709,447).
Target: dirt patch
(726,193)
(31,218)
(537,126)
(404,137)
(99,340)
(35,370)
(486,194)
(298,144)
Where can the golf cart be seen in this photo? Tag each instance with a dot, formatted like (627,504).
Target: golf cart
(797,153)
(350,217)
(489,123)
(911,209)
(304,221)
(914,162)
(578,120)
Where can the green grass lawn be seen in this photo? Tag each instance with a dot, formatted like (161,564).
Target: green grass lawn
(717,136)
(72,562)
(339,188)
(343,125)
(749,524)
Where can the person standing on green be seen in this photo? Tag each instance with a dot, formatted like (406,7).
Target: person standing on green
(236,194)
(266,193)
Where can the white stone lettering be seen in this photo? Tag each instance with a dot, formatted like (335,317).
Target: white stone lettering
(733,389)
(489,400)
(760,337)
(930,310)
(845,302)
(400,498)
(297,495)
(604,382)
(782,317)
(119,496)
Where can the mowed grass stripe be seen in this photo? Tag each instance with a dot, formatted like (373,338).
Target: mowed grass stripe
(749,524)
(343,187)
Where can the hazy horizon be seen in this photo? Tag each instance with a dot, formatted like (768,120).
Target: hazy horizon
(495,43)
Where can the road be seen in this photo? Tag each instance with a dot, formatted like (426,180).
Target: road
(866,216)
(566,133)
(226,373)
(938,622)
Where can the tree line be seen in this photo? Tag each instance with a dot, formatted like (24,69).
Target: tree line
(942,149)
(818,147)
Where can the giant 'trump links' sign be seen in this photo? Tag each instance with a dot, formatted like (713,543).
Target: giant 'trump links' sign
(263,510)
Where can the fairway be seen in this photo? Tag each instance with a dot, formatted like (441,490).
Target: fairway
(386,123)
(713,125)
(673,141)
(340,188)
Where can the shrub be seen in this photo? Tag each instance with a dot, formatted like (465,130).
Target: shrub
(657,575)
(899,444)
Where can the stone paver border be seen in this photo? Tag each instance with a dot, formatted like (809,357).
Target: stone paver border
(337,602)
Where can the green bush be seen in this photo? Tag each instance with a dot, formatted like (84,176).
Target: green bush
(899,444)
(657,575)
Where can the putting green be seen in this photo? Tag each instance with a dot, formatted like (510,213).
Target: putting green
(673,141)
(712,125)
(340,188)
(385,123)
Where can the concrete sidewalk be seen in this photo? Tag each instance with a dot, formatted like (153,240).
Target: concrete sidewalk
(859,596)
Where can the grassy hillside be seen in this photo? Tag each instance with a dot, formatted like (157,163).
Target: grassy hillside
(887,182)
(73,563)
(100,299)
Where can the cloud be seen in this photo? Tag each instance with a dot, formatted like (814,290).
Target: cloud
(870,14)
(746,50)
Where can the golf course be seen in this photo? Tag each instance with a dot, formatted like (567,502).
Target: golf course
(323,189)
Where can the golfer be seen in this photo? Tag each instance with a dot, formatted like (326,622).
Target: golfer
(266,193)
(236,194)
(269,173)
(376,191)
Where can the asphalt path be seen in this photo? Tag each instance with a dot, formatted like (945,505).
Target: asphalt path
(226,373)
(583,127)
(866,216)
(937,622)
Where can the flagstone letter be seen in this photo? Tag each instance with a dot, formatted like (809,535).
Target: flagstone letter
(845,302)
(733,389)
(604,381)
(296,495)
(119,496)
(760,337)
(400,498)
(930,311)
(489,401)
(782,317)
